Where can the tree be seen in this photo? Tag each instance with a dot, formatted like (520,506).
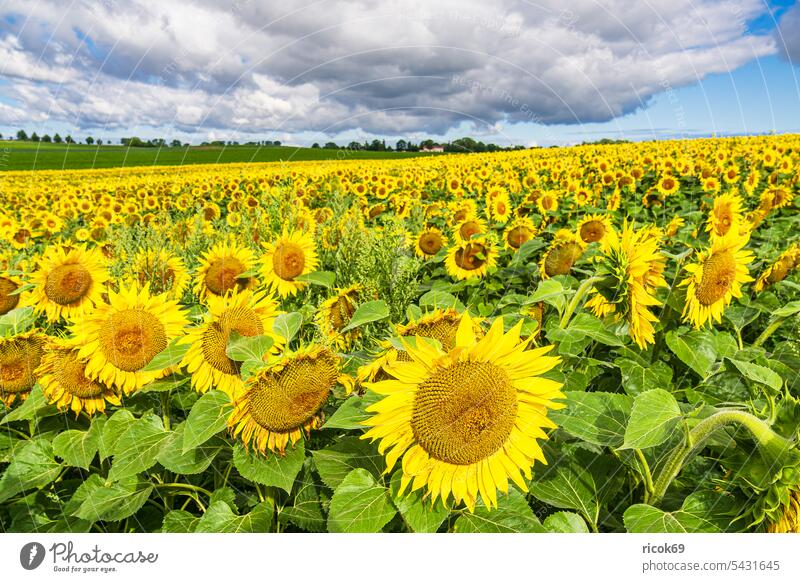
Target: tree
(57,138)
(89,140)
(46,138)
(69,139)
(315,146)
(21,135)
(330,146)
(354,146)
(176,143)
(34,136)
(276,143)
(99,142)
(401,146)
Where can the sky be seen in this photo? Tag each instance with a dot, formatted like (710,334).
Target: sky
(544,72)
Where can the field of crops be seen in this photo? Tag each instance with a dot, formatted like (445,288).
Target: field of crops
(597,338)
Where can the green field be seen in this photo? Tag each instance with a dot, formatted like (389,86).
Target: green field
(47,156)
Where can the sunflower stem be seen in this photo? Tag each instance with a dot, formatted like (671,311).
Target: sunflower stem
(584,288)
(769,331)
(186,486)
(696,439)
(648,476)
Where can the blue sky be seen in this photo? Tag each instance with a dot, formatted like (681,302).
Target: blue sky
(318,70)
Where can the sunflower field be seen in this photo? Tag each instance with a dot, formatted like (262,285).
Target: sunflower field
(585,339)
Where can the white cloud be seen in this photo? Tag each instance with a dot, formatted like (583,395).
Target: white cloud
(379,66)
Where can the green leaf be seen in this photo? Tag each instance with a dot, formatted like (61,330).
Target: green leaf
(359,505)
(789,309)
(114,428)
(637,378)
(512,515)
(322,278)
(306,511)
(589,325)
(171,382)
(642,518)
(17,321)
(335,462)
(179,521)
(32,466)
(367,313)
(275,471)
(34,407)
(701,512)
(552,292)
(112,501)
(77,447)
(654,416)
(759,374)
(287,325)
(137,449)
(22,288)
(242,348)
(565,522)
(220,518)
(352,412)
(695,349)
(599,418)
(440,299)
(568,485)
(171,356)
(420,515)
(190,461)
(208,416)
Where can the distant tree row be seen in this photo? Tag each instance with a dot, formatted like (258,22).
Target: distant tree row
(23,136)
(464,144)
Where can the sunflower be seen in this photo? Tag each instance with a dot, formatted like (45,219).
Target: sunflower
(668,185)
(593,228)
(284,400)
(439,324)
(500,208)
(778,271)
(563,252)
(163,271)
(547,202)
(429,242)
(9,297)
(292,255)
(472,258)
(62,375)
(20,355)
(789,519)
(246,313)
(69,281)
(222,268)
(725,214)
(632,267)
(467,419)
(471,227)
(716,278)
(122,337)
(518,232)
(335,313)
(674,226)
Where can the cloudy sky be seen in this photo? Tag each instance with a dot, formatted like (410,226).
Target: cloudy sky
(506,71)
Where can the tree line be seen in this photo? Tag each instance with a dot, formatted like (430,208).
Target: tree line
(463,145)
(460,145)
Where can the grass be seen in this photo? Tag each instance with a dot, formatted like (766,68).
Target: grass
(27,155)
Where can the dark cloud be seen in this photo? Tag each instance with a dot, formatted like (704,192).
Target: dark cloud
(385,67)
(787,35)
